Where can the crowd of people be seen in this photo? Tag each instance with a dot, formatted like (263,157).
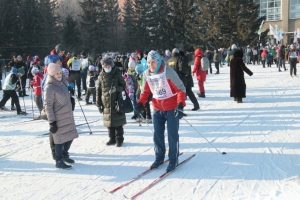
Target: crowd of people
(164,79)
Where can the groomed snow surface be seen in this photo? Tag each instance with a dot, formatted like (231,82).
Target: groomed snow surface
(260,136)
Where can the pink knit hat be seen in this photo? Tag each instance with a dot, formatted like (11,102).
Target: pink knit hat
(53,69)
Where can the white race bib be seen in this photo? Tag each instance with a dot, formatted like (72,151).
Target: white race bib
(159,86)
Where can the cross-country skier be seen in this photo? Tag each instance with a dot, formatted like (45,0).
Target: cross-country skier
(168,101)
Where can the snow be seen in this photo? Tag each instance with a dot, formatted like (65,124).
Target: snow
(260,136)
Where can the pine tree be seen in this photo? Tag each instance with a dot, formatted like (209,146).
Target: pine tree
(114,16)
(71,34)
(162,28)
(94,26)
(222,23)
(30,27)
(50,31)
(179,22)
(7,20)
(129,22)
(142,23)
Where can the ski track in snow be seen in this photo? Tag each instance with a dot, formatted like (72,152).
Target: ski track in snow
(260,136)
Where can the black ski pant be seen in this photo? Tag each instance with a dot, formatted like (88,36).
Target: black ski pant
(293,63)
(217,66)
(192,97)
(83,77)
(255,59)
(264,63)
(90,91)
(14,97)
(116,134)
(76,79)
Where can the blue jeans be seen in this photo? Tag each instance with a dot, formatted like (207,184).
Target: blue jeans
(159,120)
(134,102)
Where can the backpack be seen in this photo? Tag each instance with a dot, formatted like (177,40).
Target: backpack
(204,64)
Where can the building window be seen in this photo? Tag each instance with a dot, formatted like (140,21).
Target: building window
(271,9)
(294,9)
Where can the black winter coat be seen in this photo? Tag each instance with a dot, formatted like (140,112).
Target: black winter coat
(237,80)
(180,66)
(105,81)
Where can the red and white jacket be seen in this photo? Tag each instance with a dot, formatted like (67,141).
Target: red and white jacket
(175,84)
(37,84)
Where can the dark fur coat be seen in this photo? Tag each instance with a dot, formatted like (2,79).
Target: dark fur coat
(237,80)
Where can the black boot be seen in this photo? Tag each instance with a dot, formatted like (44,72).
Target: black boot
(21,94)
(196,108)
(239,100)
(24,93)
(111,142)
(60,164)
(112,136)
(119,136)
(67,159)
(202,94)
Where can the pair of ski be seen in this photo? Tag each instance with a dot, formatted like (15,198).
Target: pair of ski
(152,183)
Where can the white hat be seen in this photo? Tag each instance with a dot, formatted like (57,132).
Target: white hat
(132,64)
(175,50)
(92,68)
(168,52)
(35,70)
(233,46)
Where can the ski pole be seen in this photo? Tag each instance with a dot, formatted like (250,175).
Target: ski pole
(23,93)
(204,137)
(81,108)
(140,116)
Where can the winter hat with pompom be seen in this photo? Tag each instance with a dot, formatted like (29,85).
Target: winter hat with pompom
(53,69)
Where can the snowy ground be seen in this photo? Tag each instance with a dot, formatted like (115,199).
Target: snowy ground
(261,138)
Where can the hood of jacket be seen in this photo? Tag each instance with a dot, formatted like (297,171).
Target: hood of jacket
(198,53)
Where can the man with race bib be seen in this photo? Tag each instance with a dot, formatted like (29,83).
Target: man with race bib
(168,102)
(75,68)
